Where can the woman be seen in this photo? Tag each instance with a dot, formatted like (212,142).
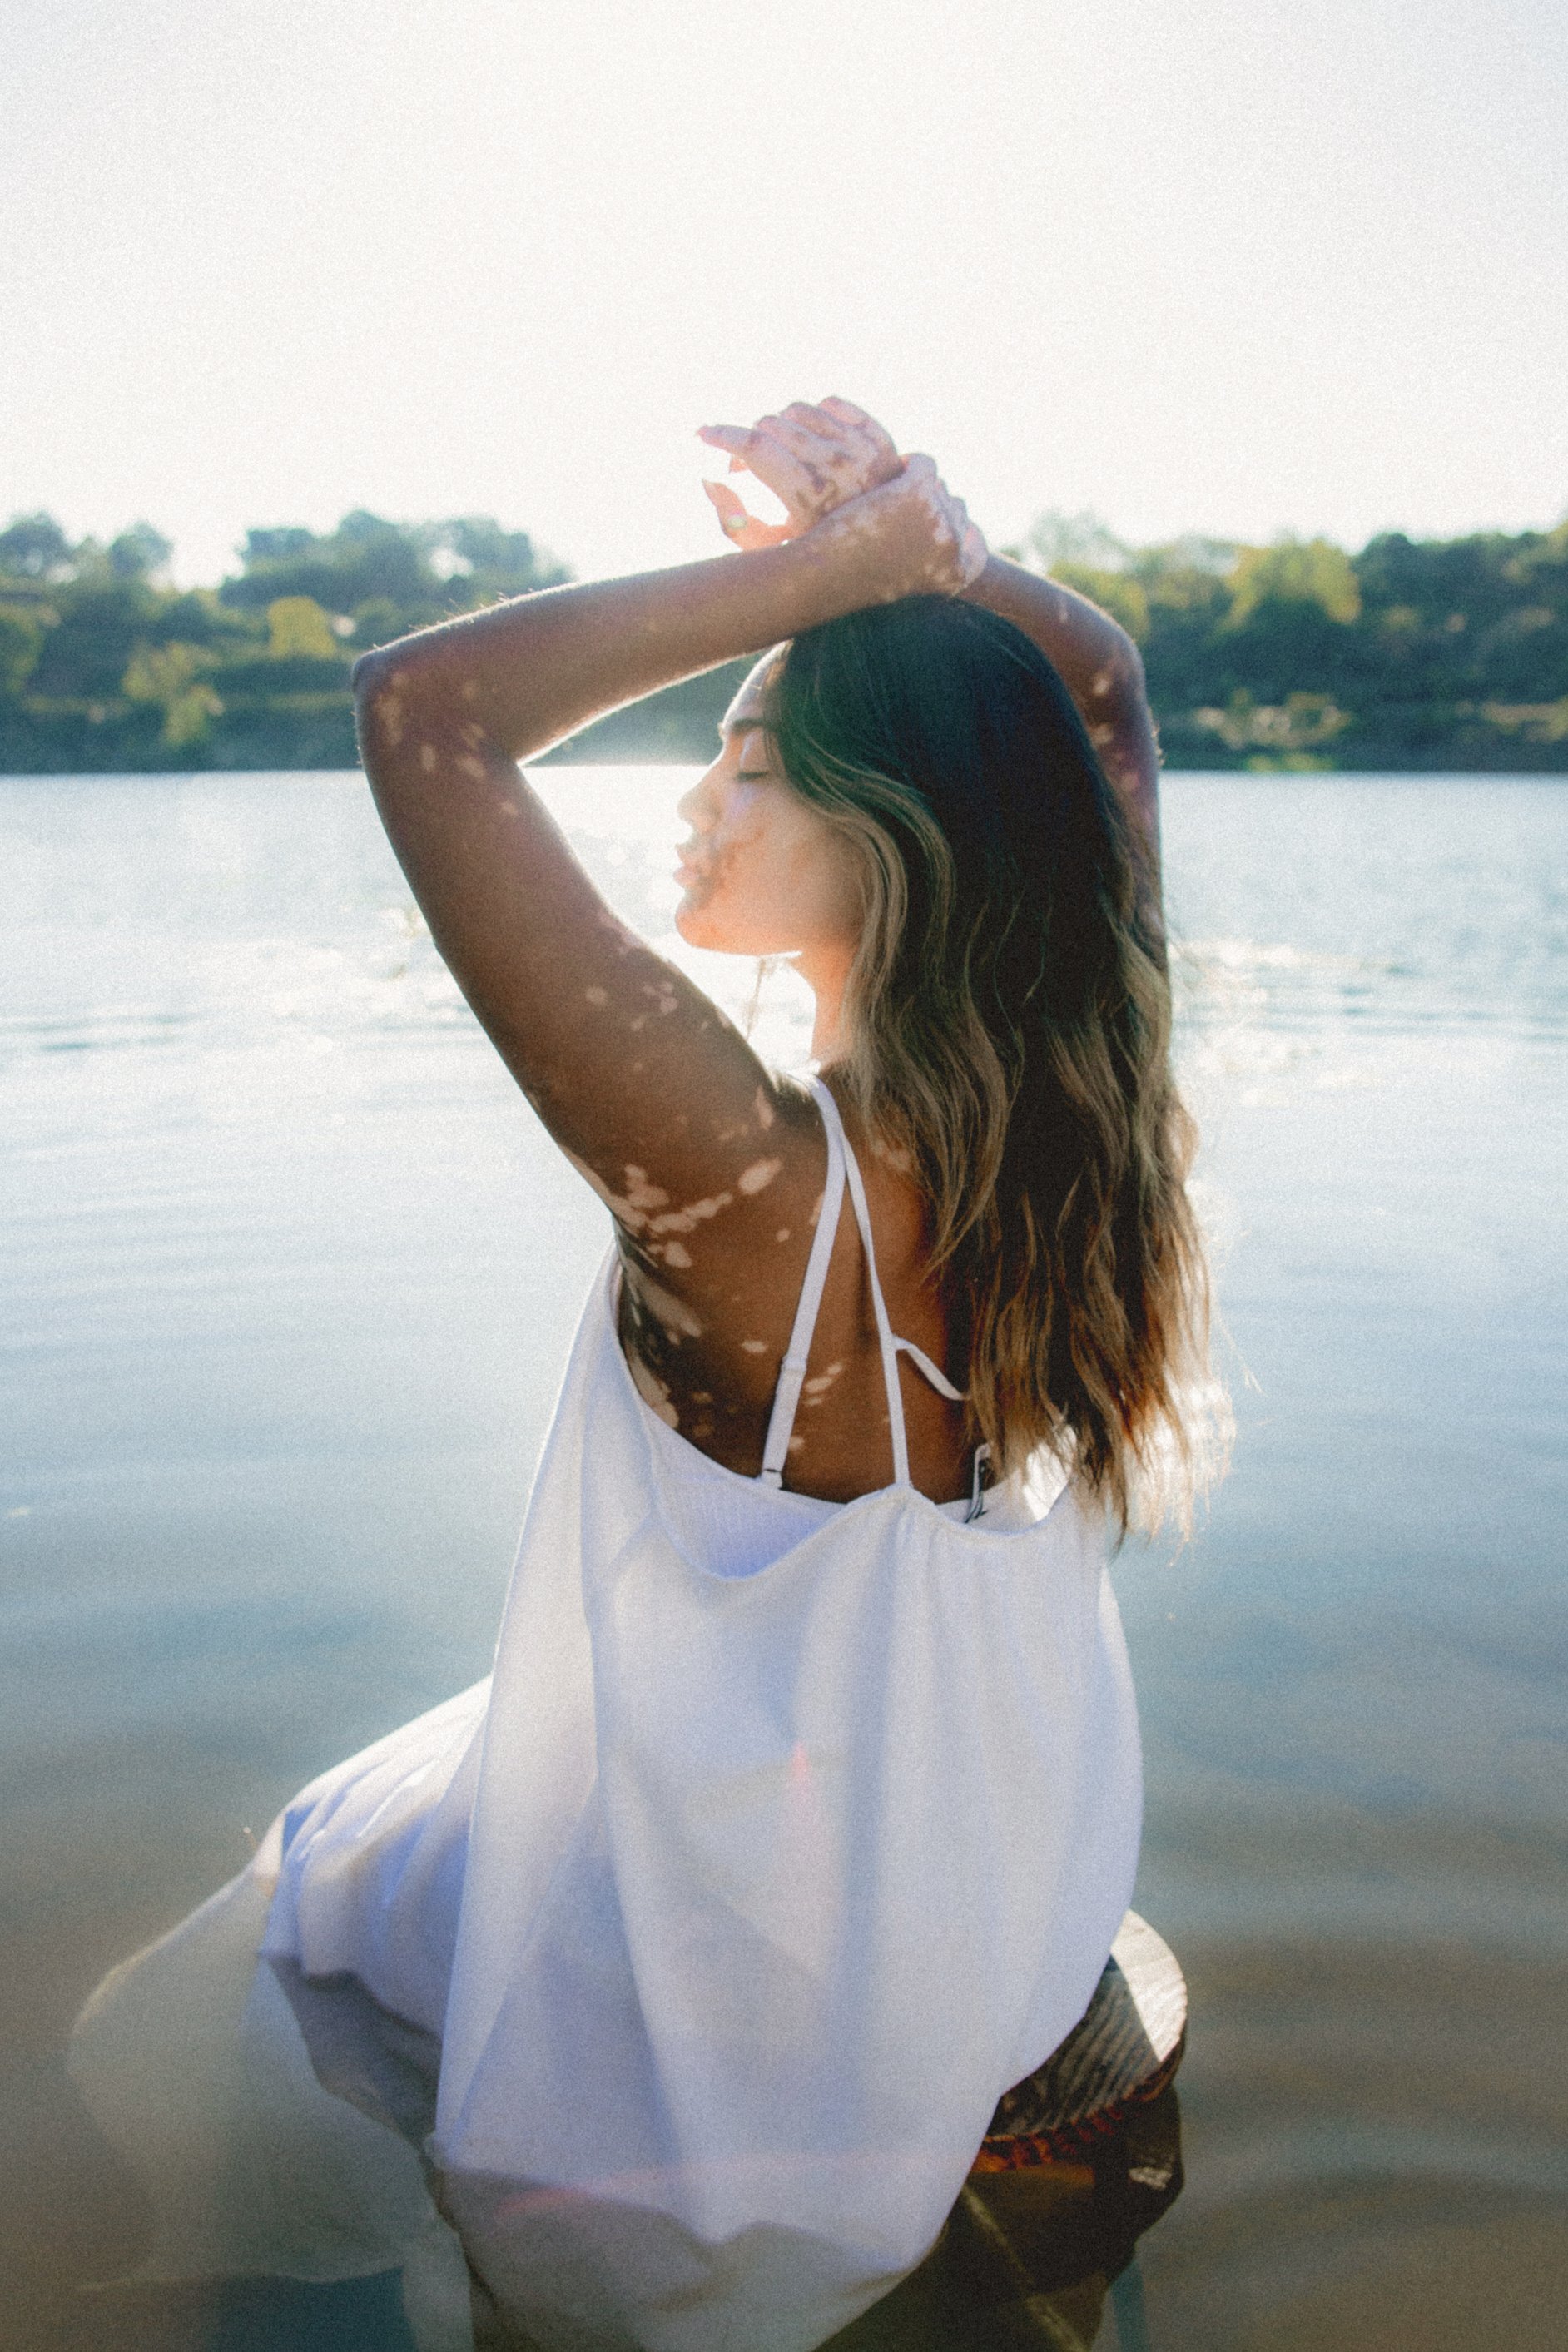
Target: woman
(796,1819)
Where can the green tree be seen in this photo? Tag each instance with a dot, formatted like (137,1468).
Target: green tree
(1056,537)
(507,563)
(171,676)
(21,638)
(34,547)
(1294,572)
(285,545)
(137,553)
(1116,592)
(98,623)
(298,629)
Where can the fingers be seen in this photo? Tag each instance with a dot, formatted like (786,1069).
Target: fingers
(733,519)
(832,418)
(855,422)
(756,450)
(790,473)
(733,438)
(813,458)
(741,529)
(844,412)
(804,413)
(766,534)
(842,425)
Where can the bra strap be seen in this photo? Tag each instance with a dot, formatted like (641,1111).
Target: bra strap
(933,1372)
(890,1346)
(792,1371)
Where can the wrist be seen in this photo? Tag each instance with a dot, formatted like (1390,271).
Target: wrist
(873,548)
(832,569)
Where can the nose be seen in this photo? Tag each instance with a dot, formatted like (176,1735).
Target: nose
(697,806)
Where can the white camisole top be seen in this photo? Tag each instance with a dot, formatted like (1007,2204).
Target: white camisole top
(783,1839)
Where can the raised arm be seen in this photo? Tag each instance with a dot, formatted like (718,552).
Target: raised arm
(637,1076)
(815,455)
(1101,669)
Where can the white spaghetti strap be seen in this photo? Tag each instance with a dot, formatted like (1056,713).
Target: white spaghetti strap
(792,1371)
(890,1346)
(933,1372)
(842,1166)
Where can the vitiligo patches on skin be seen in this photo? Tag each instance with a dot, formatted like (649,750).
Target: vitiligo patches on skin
(634,1209)
(753,1346)
(596,996)
(429,757)
(759,1175)
(654,1393)
(687,1220)
(674,1317)
(640,1194)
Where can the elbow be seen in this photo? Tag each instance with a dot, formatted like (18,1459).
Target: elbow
(381,686)
(370,678)
(1130,664)
(385,686)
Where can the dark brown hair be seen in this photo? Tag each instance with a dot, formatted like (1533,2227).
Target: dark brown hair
(1010,1031)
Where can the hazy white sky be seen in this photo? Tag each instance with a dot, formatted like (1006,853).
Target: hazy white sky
(1223,265)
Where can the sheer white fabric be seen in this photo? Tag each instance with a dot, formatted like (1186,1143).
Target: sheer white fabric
(785,1838)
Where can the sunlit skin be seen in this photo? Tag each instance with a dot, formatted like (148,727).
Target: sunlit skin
(710,1164)
(763,874)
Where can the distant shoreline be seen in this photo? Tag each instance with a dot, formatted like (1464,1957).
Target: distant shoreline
(1409,659)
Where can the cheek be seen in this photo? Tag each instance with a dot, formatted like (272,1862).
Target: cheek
(775,879)
(748,849)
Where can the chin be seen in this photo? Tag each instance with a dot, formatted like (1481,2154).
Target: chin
(699,930)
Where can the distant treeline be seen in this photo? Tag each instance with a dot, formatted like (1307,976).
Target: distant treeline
(1414,654)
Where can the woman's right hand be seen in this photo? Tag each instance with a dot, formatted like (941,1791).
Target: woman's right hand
(813,457)
(839,477)
(911,535)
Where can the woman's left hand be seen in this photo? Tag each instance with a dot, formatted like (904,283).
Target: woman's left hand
(813,458)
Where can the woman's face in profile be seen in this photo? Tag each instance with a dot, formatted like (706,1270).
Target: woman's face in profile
(762,873)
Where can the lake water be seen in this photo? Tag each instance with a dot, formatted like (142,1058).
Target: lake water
(287,1275)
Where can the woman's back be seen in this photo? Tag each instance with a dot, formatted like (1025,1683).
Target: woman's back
(715,1386)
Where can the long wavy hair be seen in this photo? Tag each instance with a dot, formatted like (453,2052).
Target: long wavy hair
(1009,1032)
